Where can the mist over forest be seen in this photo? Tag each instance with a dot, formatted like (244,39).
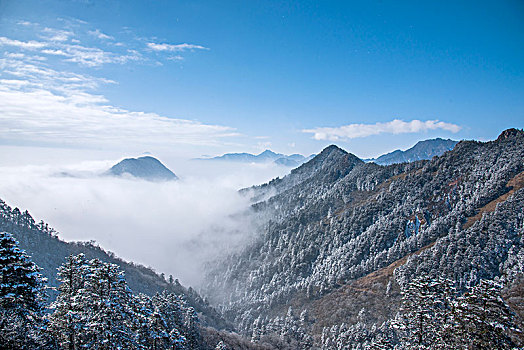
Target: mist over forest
(173,226)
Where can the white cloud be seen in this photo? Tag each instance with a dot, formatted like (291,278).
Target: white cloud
(54,52)
(36,74)
(86,56)
(66,44)
(39,105)
(97,33)
(92,56)
(175,58)
(395,126)
(29,45)
(25,23)
(52,34)
(82,119)
(175,48)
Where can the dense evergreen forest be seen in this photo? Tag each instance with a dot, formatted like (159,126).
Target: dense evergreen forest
(347,255)
(343,240)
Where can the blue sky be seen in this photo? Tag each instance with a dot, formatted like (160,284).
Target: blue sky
(209,77)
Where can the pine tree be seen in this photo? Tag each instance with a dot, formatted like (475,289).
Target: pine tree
(68,322)
(144,324)
(94,308)
(486,321)
(174,311)
(111,319)
(21,298)
(426,314)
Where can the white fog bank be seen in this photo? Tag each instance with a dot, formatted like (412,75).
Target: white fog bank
(173,226)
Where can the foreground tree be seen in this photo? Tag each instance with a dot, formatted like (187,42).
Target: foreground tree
(435,316)
(95,309)
(111,317)
(68,322)
(94,306)
(484,320)
(426,314)
(21,298)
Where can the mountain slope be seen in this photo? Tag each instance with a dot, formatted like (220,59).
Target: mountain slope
(147,168)
(49,252)
(423,150)
(318,166)
(336,219)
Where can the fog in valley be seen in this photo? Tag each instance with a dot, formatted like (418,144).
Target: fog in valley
(172,226)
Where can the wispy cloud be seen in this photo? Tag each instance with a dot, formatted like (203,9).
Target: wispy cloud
(98,34)
(43,105)
(69,44)
(39,105)
(395,126)
(28,45)
(25,23)
(83,55)
(175,58)
(52,34)
(92,56)
(40,116)
(175,48)
(35,74)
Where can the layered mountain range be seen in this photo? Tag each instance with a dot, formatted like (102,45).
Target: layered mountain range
(267,156)
(422,150)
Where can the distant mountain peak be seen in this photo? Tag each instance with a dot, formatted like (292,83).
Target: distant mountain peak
(146,167)
(333,148)
(422,150)
(330,154)
(268,152)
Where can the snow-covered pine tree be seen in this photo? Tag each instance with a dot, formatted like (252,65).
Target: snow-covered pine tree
(68,322)
(144,330)
(305,339)
(191,330)
(21,298)
(111,320)
(425,320)
(486,321)
(94,307)
(182,331)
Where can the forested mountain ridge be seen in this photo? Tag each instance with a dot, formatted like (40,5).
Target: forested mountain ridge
(336,219)
(48,252)
(332,163)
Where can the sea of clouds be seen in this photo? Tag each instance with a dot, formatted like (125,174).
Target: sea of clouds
(174,227)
